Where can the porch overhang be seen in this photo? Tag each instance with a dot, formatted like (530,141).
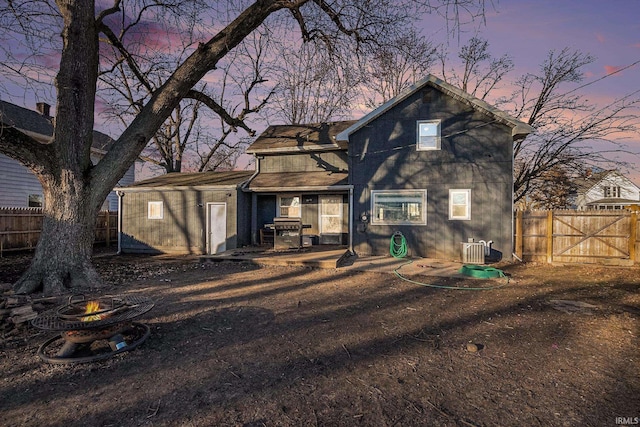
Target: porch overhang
(269,182)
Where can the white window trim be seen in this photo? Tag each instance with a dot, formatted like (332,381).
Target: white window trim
(149,215)
(467,193)
(438,137)
(36,195)
(280,205)
(375,221)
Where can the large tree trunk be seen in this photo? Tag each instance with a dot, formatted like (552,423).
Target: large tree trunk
(62,259)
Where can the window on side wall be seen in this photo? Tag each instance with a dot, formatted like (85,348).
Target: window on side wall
(460,204)
(399,207)
(35,201)
(289,206)
(155,210)
(428,133)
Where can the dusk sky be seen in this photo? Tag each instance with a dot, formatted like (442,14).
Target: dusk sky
(527,30)
(609,31)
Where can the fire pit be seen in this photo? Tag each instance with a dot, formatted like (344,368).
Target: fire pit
(93,330)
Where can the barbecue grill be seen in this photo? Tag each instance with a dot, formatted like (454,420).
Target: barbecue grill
(287,233)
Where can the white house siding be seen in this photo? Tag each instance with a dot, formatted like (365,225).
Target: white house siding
(17,183)
(628,191)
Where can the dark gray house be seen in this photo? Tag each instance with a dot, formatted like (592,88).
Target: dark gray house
(302,172)
(435,164)
(201,213)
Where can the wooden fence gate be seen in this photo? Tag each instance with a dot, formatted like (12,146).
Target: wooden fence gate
(598,236)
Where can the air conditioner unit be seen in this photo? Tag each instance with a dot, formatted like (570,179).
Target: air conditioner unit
(473,253)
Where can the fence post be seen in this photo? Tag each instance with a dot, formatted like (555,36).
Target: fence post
(549,236)
(519,237)
(108,235)
(633,231)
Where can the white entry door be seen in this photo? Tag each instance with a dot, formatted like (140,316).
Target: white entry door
(330,219)
(217,233)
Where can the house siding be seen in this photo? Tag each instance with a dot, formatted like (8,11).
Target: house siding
(336,161)
(18,183)
(476,153)
(183,227)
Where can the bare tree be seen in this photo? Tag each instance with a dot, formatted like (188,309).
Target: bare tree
(74,188)
(314,86)
(567,125)
(396,65)
(478,72)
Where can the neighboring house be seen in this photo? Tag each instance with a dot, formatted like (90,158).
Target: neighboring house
(606,190)
(202,213)
(434,164)
(20,187)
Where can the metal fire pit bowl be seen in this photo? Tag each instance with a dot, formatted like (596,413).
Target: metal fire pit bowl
(72,317)
(84,337)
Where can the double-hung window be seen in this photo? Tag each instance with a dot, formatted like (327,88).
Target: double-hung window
(460,204)
(399,207)
(428,133)
(289,206)
(155,210)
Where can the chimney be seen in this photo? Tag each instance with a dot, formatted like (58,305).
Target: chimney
(43,108)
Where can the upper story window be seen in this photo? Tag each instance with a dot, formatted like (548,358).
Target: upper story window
(428,135)
(611,191)
(289,206)
(155,210)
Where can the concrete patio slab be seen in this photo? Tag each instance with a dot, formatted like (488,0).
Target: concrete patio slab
(339,257)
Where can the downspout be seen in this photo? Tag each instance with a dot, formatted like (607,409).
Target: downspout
(351,219)
(254,208)
(120,196)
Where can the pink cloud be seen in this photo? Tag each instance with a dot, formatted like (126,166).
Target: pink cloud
(600,37)
(636,45)
(610,69)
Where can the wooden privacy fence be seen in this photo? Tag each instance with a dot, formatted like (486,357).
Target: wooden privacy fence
(20,228)
(597,236)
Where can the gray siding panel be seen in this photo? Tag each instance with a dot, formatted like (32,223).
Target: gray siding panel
(336,161)
(184,224)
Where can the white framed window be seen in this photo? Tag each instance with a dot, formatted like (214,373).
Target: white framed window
(399,207)
(611,191)
(460,204)
(428,135)
(155,210)
(289,206)
(35,201)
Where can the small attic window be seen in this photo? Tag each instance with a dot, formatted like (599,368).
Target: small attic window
(428,135)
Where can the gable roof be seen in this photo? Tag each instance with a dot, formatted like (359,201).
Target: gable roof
(40,127)
(301,137)
(177,180)
(583,185)
(518,129)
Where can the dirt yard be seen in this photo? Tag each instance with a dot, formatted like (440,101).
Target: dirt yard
(240,345)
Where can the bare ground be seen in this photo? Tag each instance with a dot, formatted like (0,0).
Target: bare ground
(240,345)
